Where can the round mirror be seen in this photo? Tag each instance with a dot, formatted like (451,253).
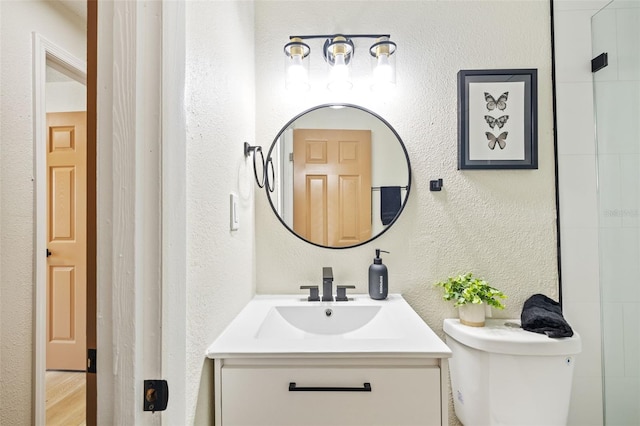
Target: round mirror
(338,175)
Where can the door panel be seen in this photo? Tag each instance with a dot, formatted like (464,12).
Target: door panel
(332,186)
(66,240)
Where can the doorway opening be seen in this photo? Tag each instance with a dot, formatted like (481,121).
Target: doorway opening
(60,122)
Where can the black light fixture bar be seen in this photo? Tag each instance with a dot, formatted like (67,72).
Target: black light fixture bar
(307,37)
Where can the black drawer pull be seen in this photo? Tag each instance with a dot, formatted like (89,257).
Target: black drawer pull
(366,387)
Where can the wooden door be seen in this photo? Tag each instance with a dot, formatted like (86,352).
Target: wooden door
(66,241)
(332,186)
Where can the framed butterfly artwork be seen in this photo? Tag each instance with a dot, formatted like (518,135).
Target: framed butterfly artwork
(497,119)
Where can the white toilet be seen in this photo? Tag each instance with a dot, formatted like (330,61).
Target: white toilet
(504,375)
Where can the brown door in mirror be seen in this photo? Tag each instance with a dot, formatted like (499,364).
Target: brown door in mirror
(332,186)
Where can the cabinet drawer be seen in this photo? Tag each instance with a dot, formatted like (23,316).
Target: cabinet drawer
(253,396)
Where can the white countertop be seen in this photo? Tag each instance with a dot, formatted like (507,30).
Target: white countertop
(396,331)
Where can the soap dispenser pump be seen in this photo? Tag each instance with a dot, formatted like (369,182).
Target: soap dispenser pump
(378,278)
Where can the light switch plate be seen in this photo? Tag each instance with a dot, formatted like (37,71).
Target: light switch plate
(234,215)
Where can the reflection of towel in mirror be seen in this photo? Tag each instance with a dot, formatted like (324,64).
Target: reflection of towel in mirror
(543,315)
(389,203)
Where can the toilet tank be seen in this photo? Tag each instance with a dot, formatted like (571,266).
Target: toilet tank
(504,375)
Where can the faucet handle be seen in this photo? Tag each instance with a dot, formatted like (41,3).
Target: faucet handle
(341,292)
(314,295)
(327,273)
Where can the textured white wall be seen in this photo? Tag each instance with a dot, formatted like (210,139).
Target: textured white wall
(18,20)
(498,224)
(219,104)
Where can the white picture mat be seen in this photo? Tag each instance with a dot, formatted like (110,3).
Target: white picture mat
(478,148)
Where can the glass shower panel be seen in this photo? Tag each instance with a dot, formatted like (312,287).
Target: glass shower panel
(616,30)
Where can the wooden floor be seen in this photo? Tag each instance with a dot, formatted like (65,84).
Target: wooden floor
(66,398)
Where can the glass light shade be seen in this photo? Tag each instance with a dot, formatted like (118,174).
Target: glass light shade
(339,74)
(384,65)
(296,65)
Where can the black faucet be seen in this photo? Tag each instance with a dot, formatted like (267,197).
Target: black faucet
(327,284)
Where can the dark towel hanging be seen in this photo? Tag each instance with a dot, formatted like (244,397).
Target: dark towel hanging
(389,203)
(543,315)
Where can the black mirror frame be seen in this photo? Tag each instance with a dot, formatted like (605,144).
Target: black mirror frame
(341,105)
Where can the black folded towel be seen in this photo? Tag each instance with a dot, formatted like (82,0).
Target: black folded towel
(543,315)
(389,203)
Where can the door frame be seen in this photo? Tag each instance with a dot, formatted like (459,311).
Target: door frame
(134,232)
(44,51)
(139,288)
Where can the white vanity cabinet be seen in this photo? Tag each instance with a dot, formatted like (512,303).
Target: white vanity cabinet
(285,361)
(350,391)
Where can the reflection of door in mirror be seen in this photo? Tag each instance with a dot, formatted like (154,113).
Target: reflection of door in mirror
(332,186)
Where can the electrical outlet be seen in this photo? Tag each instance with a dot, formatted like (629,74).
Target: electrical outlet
(234,215)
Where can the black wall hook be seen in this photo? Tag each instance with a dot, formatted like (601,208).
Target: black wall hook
(435,185)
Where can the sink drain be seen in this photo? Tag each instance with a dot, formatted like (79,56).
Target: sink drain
(328,312)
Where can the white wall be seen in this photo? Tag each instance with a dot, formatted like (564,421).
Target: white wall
(578,200)
(219,105)
(18,19)
(498,224)
(66,96)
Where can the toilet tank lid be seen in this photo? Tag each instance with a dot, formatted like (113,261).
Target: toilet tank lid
(505,336)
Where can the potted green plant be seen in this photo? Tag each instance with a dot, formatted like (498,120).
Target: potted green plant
(470,294)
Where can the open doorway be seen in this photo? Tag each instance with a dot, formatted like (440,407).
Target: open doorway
(66,217)
(60,123)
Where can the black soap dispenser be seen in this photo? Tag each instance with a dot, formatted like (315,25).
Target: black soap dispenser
(378,278)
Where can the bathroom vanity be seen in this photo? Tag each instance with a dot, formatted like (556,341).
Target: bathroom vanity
(286,361)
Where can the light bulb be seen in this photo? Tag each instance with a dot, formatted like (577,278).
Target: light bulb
(339,74)
(297,76)
(383,74)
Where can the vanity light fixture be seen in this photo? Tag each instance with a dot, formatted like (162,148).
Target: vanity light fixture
(338,51)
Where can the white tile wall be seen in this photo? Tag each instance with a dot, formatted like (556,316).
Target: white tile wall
(572,38)
(577,181)
(628,39)
(619,273)
(573,128)
(622,401)
(617,179)
(630,183)
(618,127)
(580,264)
(584,396)
(578,207)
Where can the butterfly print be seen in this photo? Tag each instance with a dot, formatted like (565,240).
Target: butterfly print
(500,139)
(492,104)
(500,121)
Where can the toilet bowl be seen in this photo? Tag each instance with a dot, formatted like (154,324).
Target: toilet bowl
(504,375)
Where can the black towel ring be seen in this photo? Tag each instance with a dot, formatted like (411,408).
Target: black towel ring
(248,149)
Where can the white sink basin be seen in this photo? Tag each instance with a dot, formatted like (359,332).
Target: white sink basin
(288,324)
(317,321)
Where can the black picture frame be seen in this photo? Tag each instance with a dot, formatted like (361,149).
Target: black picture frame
(497,119)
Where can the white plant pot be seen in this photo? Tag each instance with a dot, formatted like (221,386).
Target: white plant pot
(472,314)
